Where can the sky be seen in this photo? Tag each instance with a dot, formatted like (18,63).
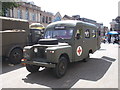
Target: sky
(103,11)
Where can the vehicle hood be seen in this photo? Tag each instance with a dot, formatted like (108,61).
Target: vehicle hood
(59,44)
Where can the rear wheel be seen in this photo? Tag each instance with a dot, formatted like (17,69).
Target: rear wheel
(15,56)
(32,68)
(87,58)
(61,67)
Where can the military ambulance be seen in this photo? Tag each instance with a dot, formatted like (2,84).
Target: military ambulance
(64,42)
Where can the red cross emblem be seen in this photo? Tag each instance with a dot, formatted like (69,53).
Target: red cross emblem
(79,50)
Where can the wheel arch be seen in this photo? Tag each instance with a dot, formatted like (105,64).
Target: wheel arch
(66,56)
(15,47)
(91,51)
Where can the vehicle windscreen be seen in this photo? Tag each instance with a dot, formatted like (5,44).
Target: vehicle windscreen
(64,34)
(36,32)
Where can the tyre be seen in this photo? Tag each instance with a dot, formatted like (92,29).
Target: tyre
(61,67)
(15,56)
(32,68)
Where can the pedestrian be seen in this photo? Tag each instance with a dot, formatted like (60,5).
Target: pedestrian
(116,39)
(109,40)
(112,39)
(104,40)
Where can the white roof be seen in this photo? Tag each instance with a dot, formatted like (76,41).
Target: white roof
(73,22)
(13,19)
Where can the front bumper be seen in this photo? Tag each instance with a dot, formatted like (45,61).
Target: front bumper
(42,64)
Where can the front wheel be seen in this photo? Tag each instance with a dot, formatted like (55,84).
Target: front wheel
(61,67)
(32,68)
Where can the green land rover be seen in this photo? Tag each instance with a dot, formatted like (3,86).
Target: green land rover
(64,42)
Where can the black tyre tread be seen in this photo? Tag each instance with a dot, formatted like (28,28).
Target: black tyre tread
(14,60)
(56,71)
(32,68)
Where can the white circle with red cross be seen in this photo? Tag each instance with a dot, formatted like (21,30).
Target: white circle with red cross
(79,50)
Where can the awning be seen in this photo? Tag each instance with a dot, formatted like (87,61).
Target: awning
(112,33)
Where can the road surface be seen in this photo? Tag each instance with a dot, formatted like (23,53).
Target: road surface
(101,71)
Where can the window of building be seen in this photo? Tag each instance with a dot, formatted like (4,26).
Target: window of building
(34,17)
(19,14)
(94,33)
(46,19)
(7,12)
(27,14)
(43,19)
(87,33)
(50,19)
(40,17)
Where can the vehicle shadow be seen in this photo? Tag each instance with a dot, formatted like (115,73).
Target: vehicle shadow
(7,67)
(92,70)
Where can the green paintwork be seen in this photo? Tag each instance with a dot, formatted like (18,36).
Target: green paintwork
(68,47)
(15,33)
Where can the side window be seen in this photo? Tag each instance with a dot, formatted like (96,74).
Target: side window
(37,34)
(99,33)
(78,34)
(87,33)
(94,33)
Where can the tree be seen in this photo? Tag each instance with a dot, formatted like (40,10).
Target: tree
(8,5)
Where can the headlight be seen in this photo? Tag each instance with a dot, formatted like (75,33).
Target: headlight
(45,51)
(26,55)
(52,51)
(24,50)
(35,50)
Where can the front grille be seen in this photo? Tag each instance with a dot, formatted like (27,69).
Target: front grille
(41,53)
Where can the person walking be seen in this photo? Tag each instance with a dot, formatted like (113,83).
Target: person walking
(112,39)
(109,40)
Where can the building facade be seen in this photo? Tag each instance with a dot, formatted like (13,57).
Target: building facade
(118,24)
(57,17)
(30,12)
(113,25)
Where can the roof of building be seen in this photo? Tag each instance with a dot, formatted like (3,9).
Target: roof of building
(68,17)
